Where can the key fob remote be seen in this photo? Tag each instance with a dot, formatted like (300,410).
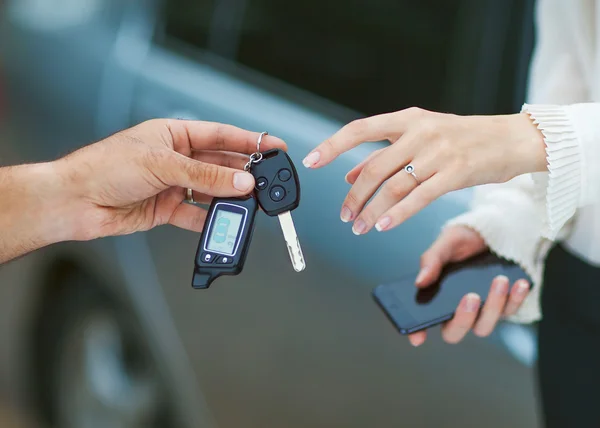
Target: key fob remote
(225,240)
(277,184)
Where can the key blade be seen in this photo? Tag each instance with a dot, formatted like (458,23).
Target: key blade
(291,240)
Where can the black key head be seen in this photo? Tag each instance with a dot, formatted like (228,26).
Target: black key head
(277,184)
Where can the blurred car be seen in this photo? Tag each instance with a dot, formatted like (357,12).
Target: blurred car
(110,333)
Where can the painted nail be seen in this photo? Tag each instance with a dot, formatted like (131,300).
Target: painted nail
(422,275)
(501,287)
(383,223)
(243,181)
(472,302)
(346,214)
(310,160)
(522,287)
(359,227)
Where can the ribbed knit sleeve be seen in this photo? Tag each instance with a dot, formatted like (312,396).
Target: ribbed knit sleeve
(561,186)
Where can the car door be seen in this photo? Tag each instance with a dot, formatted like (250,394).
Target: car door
(275,348)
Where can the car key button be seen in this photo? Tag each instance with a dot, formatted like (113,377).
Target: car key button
(277,193)
(285,175)
(261,183)
(208,257)
(225,260)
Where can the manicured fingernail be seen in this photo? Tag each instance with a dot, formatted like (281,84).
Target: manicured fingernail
(359,227)
(472,302)
(422,275)
(310,160)
(243,181)
(522,287)
(346,178)
(346,214)
(383,224)
(501,285)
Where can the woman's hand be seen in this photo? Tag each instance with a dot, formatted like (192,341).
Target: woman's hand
(448,152)
(455,244)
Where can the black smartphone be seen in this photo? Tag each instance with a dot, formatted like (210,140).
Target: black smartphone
(411,309)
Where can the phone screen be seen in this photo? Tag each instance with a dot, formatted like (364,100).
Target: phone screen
(412,309)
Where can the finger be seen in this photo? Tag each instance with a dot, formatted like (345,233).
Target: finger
(415,201)
(228,159)
(383,166)
(517,296)
(464,319)
(388,126)
(197,135)
(355,172)
(435,258)
(493,308)
(189,217)
(396,188)
(174,169)
(418,338)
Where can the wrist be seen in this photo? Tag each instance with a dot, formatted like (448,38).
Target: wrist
(46,203)
(529,145)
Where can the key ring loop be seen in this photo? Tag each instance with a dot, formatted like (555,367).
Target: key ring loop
(257,156)
(260,137)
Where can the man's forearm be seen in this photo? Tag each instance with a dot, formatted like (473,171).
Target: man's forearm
(34,209)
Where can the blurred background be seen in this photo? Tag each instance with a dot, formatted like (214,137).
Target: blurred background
(110,333)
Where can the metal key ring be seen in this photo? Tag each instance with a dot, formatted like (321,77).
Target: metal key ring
(257,156)
(260,137)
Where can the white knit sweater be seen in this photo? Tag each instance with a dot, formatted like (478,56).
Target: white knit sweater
(520,219)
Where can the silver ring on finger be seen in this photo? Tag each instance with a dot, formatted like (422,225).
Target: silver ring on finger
(410,169)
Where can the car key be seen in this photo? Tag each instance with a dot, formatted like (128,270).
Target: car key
(225,240)
(278,193)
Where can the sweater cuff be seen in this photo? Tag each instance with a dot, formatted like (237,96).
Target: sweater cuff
(561,186)
(498,230)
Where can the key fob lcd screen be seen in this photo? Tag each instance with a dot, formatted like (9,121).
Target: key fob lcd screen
(225,240)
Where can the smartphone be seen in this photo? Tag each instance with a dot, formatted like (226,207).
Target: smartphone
(412,309)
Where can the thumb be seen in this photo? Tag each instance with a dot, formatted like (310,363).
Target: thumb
(434,259)
(206,178)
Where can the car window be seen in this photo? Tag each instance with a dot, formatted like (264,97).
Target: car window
(188,21)
(371,57)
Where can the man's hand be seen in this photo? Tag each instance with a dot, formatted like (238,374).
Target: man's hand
(456,244)
(132,181)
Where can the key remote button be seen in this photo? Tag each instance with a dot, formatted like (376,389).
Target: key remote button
(225,260)
(261,183)
(277,193)
(208,257)
(285,174)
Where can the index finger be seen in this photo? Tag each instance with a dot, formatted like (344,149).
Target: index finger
(198,135)
(389,126)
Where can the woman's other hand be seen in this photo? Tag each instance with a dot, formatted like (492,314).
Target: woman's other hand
(456,244)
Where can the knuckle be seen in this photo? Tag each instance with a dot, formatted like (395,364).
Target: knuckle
(208,174)
(352,200)
(368,216)
(395,188)
(415,112)
(370,171)
(358,126)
